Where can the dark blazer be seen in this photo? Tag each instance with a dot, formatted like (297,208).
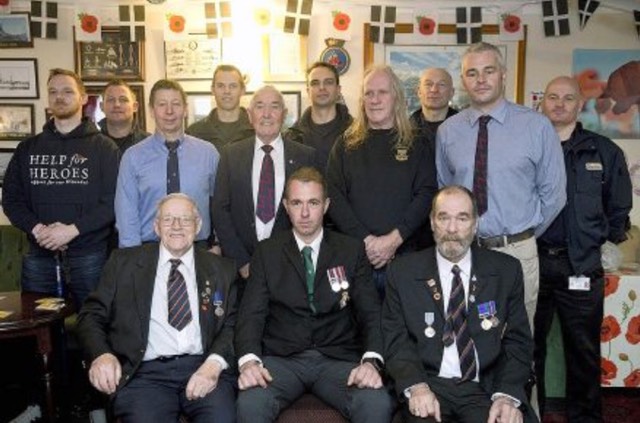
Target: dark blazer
(505,353)
(233,210)
(275,317)
(115,317)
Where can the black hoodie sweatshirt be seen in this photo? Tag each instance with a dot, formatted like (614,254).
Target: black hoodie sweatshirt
(68,178)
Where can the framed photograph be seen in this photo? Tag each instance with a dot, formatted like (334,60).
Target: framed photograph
(201,103)
(285,57)
(5,157)
(408,61)
(193,59)
(16,31)
(112,58)
(93,111)
(19,78)
(17,121)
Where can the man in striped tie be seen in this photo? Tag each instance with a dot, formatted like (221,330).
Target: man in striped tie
(156,332)
(457,338)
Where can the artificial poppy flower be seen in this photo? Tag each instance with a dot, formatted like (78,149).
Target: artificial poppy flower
(633,380)
(611,283)
(89,23)
(341,21)
(511,23)
(608,371)
(426,26)
(176,23)
(609,329)
(633,330)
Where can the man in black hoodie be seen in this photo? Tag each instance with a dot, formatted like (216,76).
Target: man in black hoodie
(59,189)
(326,119)
(120,105)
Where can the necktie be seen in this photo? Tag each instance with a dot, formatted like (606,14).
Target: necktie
(179,310)
(480,169)
(173,171)
(310,275)
(265,209)
(456,327)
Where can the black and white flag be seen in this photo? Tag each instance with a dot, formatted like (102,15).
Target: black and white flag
(383,24)
(468,25)
(555,18)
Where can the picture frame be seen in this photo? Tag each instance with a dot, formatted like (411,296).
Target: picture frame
(194,59)
(93,111)
(17,121)
(515,56)
(201,103)
(19,78)
(6,153)
(16,30)
(285,57)
(112,58)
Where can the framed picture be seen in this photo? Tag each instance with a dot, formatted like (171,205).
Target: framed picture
(93,111)
(17,121)
(201,103)
(408,61)
(5,157)
(112,58)
(16,31)
(285,57)
(193,59)
(19,78)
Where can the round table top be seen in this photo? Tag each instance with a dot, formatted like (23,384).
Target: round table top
(22,306)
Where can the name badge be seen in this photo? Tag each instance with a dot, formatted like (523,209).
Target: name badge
(593,166)
(579,283)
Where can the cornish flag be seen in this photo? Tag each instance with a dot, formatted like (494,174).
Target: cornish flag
(586,9)
(297,17)
(217,15)
(468,25)
(132,22)
(383,24)
(555,18)
(44,19)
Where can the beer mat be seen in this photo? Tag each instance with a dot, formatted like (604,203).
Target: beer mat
(50,300)
(51,306)
(4,314)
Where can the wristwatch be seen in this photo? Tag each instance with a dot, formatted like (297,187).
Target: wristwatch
(376,363)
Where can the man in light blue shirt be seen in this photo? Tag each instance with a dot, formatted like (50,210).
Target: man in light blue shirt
(144,177)
(525,178)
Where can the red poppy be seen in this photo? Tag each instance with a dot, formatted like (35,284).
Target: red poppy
(341,21)
(426,26)
(609,329)
(89,23)
(176,23)
(4,2)
(611,283)
(633,380)
(633,330)
(608,371)
(511,23)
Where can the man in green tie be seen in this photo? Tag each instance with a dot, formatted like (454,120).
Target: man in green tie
(309,318)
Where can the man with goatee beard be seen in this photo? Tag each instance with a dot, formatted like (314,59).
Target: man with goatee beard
(59,189)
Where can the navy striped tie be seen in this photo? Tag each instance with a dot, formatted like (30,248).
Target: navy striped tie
(179,310)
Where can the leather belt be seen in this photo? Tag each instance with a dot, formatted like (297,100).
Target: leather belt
(166,358)
(504,240)
(553,251)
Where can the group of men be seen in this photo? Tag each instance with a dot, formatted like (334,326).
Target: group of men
(400,283)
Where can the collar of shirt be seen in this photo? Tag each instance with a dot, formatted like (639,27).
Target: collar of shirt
(277,144)
(187,258)
(158,139)
(446,276)
(315,246)
(498,113)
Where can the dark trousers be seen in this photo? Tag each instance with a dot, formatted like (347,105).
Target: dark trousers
(580,314)
(157,393)
(310,371)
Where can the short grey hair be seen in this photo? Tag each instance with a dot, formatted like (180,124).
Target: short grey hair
(178,196)
(481,47)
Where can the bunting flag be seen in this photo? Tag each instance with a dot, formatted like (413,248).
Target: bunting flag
(44,19)
(88,25)
(297,18)
(339,24)
(636,16)
(555,18)
(586,9)
(175,26)
(217,15)
(468,25)
(510,24)
(426,24)
(132,22)
(383,24)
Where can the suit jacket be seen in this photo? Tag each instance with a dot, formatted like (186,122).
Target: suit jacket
(233,210)
(115,317)
(275,317)
(505,353)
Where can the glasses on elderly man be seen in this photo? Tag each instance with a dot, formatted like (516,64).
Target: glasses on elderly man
(184,221)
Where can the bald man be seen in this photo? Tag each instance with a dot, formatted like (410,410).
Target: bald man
(571,274)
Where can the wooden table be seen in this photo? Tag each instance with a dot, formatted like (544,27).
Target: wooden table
(27,321)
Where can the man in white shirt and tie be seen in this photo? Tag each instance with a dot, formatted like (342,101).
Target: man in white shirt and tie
(457,338)
(156,331)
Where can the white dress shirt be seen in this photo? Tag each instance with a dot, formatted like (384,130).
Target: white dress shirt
(164,339)
(263,230)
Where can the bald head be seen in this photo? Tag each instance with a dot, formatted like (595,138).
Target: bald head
(561,104)
(435,90)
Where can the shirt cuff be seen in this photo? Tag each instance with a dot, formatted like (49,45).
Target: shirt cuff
(371,354)
(407,391)
(247,358)
(516,401)
(218,359)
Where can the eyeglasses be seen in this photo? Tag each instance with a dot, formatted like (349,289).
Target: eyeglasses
(183,221)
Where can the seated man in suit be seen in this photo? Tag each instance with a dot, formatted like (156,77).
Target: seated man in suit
(457,338)
(309,320)
(246,205)
(157,330)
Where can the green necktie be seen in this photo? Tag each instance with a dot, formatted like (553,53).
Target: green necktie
(310,274)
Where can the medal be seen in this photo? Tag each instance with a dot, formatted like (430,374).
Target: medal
(337,278)
(344,285)
(431,283)
(494,321)
(436,296)
(487,312)
(472,298)
(219,311)
(217,303)
(344,299)
(429,331)
(486,324)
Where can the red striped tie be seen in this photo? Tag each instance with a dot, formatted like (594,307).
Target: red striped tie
(179,310)
(265,209)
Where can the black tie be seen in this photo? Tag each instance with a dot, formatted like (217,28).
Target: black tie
(481,164)
(173,171)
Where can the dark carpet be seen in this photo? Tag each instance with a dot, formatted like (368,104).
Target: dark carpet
(619,405)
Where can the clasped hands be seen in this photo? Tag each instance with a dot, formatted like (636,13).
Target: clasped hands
(55,236)
(381,249)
